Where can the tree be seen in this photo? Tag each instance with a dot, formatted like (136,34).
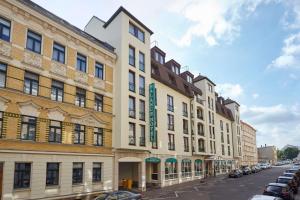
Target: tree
(291,153)
(280,155)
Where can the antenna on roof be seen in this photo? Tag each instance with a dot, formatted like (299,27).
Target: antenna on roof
(154,43)
(186,68)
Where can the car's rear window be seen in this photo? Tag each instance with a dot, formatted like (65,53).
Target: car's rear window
(272,188)
(288,175)
(283,180)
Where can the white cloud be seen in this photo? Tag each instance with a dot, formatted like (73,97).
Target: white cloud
(276,125)
(255,96)
(214,21)
(229,90)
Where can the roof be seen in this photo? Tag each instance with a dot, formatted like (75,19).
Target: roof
(224,111)
(247,125)
(122,9)
(229,101)
(277,184)
(200,77)
(66,24)
(285,177)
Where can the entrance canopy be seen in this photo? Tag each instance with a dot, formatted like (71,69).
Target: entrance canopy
(171,160)
(152,160)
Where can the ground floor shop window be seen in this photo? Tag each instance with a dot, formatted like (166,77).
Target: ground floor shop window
(198,168)
(217,166)
(52,176)
(186,168)
(77,173)
(171,169)
(22,175)
(97,172)
(223,166)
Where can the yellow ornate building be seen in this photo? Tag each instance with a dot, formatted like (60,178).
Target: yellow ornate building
(56,91)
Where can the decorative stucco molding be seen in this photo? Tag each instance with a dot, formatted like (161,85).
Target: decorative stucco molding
(81,77)
(57,114)
(88,120)
(3,103)
(99,84)
(5,49)
(32,59)
(58,69)
(29,108)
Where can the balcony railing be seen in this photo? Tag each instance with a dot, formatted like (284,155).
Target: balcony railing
(171,127)
(199,101)
(170,108)
(132,140)
(142,141)
(142,115)
(201,149)
(185,113)
(186,131)
(132,87)
(142,91)
(132,60)
(200,116)
(201,133)
(131,113)
(171,146)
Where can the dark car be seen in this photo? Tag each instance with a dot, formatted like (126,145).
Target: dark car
(297,179)
(289,181)
(254,169)
(293,170)
(279,190)
(264,197)
(246,170)
(236,173)
(118,195)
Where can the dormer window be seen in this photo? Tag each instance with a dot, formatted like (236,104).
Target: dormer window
(175,69)
(189,79)
(159,58)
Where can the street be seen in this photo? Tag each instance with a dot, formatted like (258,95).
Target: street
(219,188)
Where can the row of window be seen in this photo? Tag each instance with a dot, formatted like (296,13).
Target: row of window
(132,84)
(34,44)
(131,59)
(132,108)
(22,174)
(29,128)
(132,135)
(171,171)
(223,150)
(222,127)
(31,86)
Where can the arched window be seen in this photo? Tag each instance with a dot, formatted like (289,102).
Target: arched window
(201,145)
(171,169)
(200,128)
(186,168)
(199,113)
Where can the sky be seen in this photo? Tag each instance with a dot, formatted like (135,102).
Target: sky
(249,48)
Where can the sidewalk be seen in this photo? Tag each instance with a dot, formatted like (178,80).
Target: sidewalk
(154,193)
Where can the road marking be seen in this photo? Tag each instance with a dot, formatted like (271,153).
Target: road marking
(196,188)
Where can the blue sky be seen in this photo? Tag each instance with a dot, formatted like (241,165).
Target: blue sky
(249,48)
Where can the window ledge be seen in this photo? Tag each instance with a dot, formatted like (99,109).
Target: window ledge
(97,183)
(22,190)
(77,184)
(52,187)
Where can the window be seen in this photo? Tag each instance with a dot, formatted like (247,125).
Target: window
(1,124)
(77,177)
(198,167)
(3,68)
(184,109)
(81,62)
(80,97)
(98,136)
(170,103)
(185,126)
(170,122)
(31,83)
(210,134)
(131,107)
(52,176)
(99,70)
(213,132)
(34,42)
(143,136)
(199,113)
(97,172)
(186,168)
(57,91)
(223,150)
(142,61)
(4,29)
(131,56)
(209,117)
(228,150)
(228,140)
(214,147)
(200,129)
(22,175)
(222,137)
(189,79)
(142,110)
(132,137)
(171,144)
(142,85)
(210,88)
(28,129)
(186,144)
(208,100)
(98,102)
(79,134)
(58,53)
(159,58)
(170,170)
(201,145)
(221,125)
(55,134)
(175,69)
(136,32)
(211,146)
(131,81)
(227,127)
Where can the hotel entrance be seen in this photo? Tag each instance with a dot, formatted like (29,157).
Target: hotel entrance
(1,179)
(152,172)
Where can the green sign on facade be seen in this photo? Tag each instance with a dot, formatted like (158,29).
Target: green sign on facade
(152,114)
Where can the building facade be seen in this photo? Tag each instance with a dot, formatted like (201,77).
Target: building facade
(267,154)
(249,148)
(56,97)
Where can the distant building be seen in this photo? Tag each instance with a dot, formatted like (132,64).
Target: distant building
(267,154)
(249,149)
(289,146)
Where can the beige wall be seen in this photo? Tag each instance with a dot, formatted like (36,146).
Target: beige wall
(248,144)
(267,154)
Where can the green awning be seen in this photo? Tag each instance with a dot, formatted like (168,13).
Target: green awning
(186,160)
(171,160)
(198,161)
(152,160)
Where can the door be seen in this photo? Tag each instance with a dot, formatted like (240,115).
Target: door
(1,179)
(154,174)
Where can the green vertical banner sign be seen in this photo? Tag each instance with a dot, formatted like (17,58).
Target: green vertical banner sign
(152,115)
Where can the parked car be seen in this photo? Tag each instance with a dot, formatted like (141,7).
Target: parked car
(289,181)
(294,176)
(236,173)
(264,197)
(254,169)
(246,170)
(279,190)
(118,195)
(263,166)
(293,170)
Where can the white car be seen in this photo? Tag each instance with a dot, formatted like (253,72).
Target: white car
(264,197)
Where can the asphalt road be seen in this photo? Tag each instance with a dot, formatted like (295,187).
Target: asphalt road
(220,188)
